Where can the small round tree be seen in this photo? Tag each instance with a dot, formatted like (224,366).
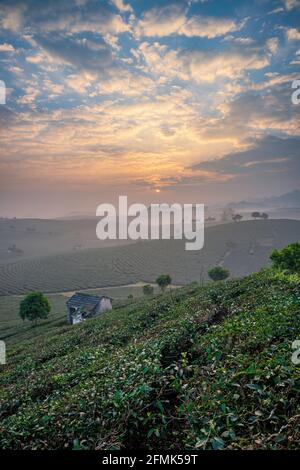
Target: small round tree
(237,217)
(35,306)
(163,281)
(148,289)
(218,273)
(287,259)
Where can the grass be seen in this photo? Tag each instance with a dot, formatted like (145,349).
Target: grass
(200,367)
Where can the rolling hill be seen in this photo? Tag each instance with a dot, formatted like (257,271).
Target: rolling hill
(243,248)
(199,368)
(22,239)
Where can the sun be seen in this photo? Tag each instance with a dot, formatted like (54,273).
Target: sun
(157,190)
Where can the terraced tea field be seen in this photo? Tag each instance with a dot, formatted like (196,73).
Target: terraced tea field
(205,367)
(13,330)
(242,248)
(31,238)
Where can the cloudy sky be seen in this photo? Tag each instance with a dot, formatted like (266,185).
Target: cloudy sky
(185,101)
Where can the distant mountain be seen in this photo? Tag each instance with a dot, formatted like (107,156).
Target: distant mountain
(288,200)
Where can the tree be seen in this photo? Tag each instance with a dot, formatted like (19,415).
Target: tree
(264,216)
(218,273)
(288,258)
(163,281)
(35,306)
(148,289)
(255,215)
(237,217)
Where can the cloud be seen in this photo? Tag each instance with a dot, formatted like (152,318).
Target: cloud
(7,117)
(94,56)
(208,66)
(240,40)
(30,95)
(291,4)
(268,155)
(121,5)
(16,70)
(273,80)
(11,15)
(80,82)
(50,16)
(6,47)
(161,21)
(127,83)
(292,34)
(256,114)
(207,27)
(273,45)
(172,19)
(35,59)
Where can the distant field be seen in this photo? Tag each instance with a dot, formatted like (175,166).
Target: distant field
(31,238)
(242,248)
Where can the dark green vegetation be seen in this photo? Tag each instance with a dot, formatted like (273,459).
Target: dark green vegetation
(288,258)
(200,367)
(218,273)
(242,248)
(148,289)
(34,307)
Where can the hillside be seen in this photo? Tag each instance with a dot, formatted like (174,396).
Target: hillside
(33,238)
(201,367)
(243,248)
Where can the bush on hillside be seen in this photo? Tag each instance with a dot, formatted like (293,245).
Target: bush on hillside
(163,281)
(218,273)
(148,289)
(287,259)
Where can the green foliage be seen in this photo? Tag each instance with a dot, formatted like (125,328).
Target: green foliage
(35,306)
(201,368)
(163,281)
(148,289)
(288,258)
(218,273)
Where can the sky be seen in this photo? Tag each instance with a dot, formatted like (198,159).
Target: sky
(163,101)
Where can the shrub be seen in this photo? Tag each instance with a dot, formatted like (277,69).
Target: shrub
(288,258)
(148,289)
(163,281)
(218,273)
